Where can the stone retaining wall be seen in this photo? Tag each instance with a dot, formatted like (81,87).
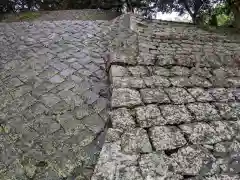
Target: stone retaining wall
(175,104)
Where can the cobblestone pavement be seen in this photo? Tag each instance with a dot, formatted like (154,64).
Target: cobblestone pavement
(54,98)
(175,105)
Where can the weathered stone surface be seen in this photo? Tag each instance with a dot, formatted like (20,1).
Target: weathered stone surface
(166,137)
(222,177)
(190,160)
(119,71)
(126,58)
(94,122)
(149,115)
(180,81)
(154,96)
(236,93)
(125,97)
(222,94)
(138,71)
(229,111)
(175,114)
(51,83)
(200,94)
(204,111)
(112,160)
(222,148)
(161,71)
(135,141)
(156,166)
(128,82)
(113,135)
(199,81)
(203,133)
(180,71)
(121,119)
(156,81)
(179,95)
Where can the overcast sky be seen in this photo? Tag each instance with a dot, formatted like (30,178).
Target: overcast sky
(173,17)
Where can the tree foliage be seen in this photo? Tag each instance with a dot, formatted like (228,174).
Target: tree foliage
(197,9)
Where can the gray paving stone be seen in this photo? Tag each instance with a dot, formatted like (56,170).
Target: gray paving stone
(89,97)
(146,59)
(20,91)
(165,60)
(223,177)
(200,94)
(189,160)
(128,82)
(119,71)
(156,81)
(154,96)
(204,111)
(204,133)
(121,119)
(161,71)
(184,60)
(135,141)
(199,81)
(123,58)
(181,81)
(56,79)
(125,97)
(233,82)
(176,114)
(236,93)
(35,109)
(180,71)
(48,73)
(222,94)
(46,125)
(138,71)
(70,124)
(222,148)
(228,111)
(67,72)
(60,108)
(148,116)
(94,122)
(113,135)
(166,137)
(201,72)
(12,83)
(50,99)
(111,160)
(156,166)
(71,98)
(226,71)
(179,95)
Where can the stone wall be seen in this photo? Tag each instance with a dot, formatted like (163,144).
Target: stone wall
(175,104)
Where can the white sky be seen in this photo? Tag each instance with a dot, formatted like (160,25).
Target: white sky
(173,17)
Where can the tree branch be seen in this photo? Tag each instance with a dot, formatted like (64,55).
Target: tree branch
(187,8)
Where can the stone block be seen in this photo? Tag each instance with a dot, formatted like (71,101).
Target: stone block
(125,97)
(166,137)
(156,95)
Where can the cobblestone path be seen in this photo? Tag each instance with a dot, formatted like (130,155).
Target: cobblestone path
(175,105)
(53,99)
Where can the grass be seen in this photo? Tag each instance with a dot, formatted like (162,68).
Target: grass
(23,16)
